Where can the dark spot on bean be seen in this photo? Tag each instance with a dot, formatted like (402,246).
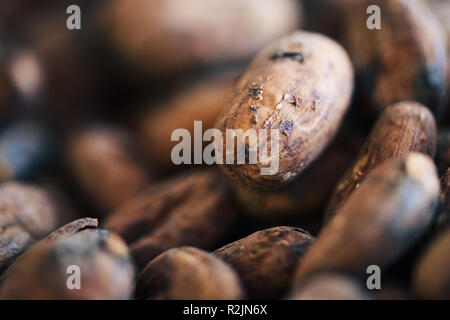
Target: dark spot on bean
(291,99)
(286,126)
(297,56)
(316,99)
(252,109)
(256,92)
(300,248)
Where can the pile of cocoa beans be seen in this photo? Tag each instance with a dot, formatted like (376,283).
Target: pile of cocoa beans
(94,205)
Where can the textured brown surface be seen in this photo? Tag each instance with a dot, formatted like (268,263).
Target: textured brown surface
(265,260)
(431,278)
(401,128)
(105,267)
(309,193)
(187,273)
(192,209)
(168,36)
(200,102)
(104,163)
(72,227)
(27,214)
(388,213)
(404,60)
(301,85)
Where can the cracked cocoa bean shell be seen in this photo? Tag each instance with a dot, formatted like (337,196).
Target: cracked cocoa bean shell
(300,86)
(310,192)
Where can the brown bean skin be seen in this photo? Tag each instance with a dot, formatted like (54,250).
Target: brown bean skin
(405,60)
(41,273)
(329,286)
(27,215)
(388,213)
(300,85)
(192,209)
(188,273)
(193,33)
(309,193)
(72,228)
(265,260)
(106,154)
(431,278)
(200,102)
(403,127)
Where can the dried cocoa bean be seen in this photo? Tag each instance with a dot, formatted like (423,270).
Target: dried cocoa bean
(402,127)
(265,260)
(405,59)
(27,214)
(189,210)
(299,85)
(310,192)
(102,259)
(187,273)
(388,213)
